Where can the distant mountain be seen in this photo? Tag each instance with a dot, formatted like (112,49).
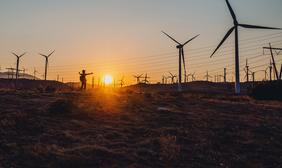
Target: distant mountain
(4,75)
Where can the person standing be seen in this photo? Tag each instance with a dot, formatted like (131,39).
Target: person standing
(83,79)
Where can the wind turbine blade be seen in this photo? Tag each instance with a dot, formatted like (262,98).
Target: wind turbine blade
(223,40)
(51,53)
(171,37)
(258,27)
(190,40)
(15,54)
(42,55)
(231,11)
(22,54)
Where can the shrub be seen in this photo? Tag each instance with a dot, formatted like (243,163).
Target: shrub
(267,91)
(50,89)
(61,106)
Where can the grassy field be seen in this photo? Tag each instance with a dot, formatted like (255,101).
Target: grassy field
(129,128)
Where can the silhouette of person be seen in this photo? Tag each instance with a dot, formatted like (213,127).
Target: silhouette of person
(83,79)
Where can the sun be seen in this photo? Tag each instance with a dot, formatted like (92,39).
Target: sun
(108,79)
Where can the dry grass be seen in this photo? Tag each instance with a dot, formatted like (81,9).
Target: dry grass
(127,128)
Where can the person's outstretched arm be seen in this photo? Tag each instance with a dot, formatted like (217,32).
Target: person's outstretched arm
(90,73)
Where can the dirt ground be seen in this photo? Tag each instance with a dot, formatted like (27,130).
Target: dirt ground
(127,128)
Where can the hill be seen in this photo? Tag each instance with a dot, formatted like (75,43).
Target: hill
(6,75)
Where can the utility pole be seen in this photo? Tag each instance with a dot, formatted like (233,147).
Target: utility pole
(253,79)
(253,76)
(58,78)
(272,57)
(24,71)
(12,72)
(92,82)
(247,70)
(265,74)
(207,76)
(163,79)
(8,73)
(224,75)
(34,74)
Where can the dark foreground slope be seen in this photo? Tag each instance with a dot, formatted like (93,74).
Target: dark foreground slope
(38,85)
(130,129)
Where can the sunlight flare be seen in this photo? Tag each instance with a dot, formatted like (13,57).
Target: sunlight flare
(108,79)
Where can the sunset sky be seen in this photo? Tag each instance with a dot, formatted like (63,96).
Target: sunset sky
(123,37)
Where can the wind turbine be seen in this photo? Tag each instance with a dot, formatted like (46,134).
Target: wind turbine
(193,78)
(46,63)
(166,78)
(265,74)
(172,77)
(138,78)
(121,82)
(146,79)
(163,79)
(181,56)
(24,70)
(18,62)
(207,76)
(235,28)
(186,78)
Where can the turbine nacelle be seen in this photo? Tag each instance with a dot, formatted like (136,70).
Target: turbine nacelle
(179,46)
